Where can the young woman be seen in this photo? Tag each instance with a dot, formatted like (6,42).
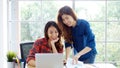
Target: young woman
(77,34)
(50,44)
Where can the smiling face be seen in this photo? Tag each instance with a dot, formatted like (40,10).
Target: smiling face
(68,20)
(52,33)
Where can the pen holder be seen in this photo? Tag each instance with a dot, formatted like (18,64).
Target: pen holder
(21,64)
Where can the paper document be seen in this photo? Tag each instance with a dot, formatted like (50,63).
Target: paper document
(78,65)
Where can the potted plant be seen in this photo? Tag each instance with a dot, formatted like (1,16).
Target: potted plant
(10,59)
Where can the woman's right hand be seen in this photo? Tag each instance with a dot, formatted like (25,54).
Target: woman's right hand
(64,62)
(54,41)
(75,59)
(29,66)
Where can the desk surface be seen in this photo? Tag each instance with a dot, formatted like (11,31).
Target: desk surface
(97,65)
(100,65)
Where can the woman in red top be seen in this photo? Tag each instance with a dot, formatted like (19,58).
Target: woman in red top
(50,44)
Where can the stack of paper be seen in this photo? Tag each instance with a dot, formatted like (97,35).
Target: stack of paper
(78,65)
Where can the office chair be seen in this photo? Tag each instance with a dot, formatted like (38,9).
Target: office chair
(24,48)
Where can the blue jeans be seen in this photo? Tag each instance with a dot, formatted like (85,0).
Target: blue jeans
(89,60)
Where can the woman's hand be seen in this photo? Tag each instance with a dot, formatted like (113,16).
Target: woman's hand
(75,59)
(31,63)
(64,62)
(54,41)
(53,45)
(29,66)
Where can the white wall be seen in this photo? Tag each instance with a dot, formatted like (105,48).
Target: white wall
(3,33)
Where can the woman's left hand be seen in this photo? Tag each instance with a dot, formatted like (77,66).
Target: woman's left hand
(75,59)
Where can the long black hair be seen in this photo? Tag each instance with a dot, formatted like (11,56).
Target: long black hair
(66,31)
(58,44)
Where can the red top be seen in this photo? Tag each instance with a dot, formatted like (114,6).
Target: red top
(41,46)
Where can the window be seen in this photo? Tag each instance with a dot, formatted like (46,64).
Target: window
(35,14)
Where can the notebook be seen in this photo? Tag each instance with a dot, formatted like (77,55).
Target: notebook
(49,60)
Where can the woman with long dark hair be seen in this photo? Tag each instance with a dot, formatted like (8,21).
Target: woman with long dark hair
(51,43)
(78,35)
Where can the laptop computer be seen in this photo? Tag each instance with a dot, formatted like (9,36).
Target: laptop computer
(49,60)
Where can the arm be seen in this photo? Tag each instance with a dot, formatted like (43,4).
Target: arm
(68,51)
(31,57)
(90,41)
(31,64)
(84,51)
(53,45)
(54,48)
(68,48)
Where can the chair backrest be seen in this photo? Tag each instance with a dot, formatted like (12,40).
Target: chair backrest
(24,48)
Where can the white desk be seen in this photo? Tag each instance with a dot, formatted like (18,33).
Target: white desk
(97,65)
(100,65)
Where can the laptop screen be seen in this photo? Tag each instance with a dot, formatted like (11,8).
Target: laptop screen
(49,60)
